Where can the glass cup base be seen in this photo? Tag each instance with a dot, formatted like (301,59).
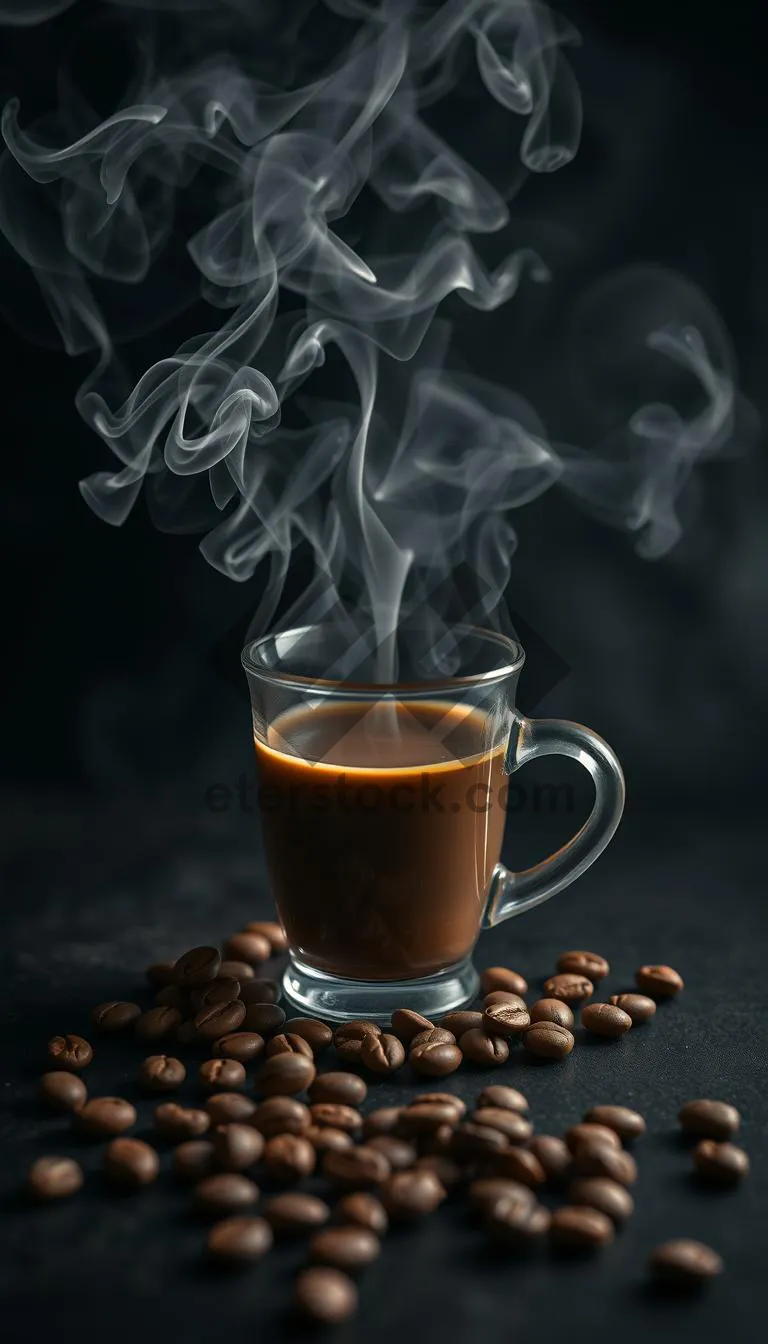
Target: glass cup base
(318,994)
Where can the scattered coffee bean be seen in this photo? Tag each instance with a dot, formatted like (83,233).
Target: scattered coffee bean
(296,1212)
(516,1127)
(709,1119)
(406,1024)
(285,1075)
(325,1295)
(349,1248)
(337,1116)
(226,1192)
(433,1036)
(408,1195)
(281,1115)
(480,1048)
(239,970)
(348,1039)
(324,1139)
(426,1117)
(720,1163)
(458,1023)
(61,1091)
(345,1088)
(197,967)
(628,1124)
(506,1098)
(224,989)
(356,1168)
(505,1019)
(289,1157)
(438,1141)
(589,1136)
(385,1120)
(590,964)
(470,1140)
(192,1160)
(115,1015)
(273,932)
(449,1173)
(569,988)
(252,948)
(317,1033)
(105,1117)
(553,1155)
(264,1018)
(638,1006)
(579,1227)
(518,1164)
(662,982)
(228,1107)
(499,977)
(54,1177)
(684,1263)
(608,1196)
(384,1053)
(157,1023)
(162,973)
(236,1241)
(130,1163)
(260,991)
(286,1043)
(605,1019)
(225,1073)
(503,996)
(162,1073)
(180,1122)
(605,1161)
(399,1153)
(489,1191)
(552,1010)
(72,1053)
(242,1046)
(363,1210)
(440,1099)
(510,1226)
(172,996)
(547,1040)
(236,1146)
(220,1019)
(435,1061)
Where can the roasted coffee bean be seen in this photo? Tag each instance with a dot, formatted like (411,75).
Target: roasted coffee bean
(130,1163)
(228,1107)
(601,1193)
(324,1139)
(458,1023)
(286,1043)
(238,1241)
(264,1018)
(350,1248)
(480,1048)
(605,1161)
(470,1140)
(252,948)
(547,1040)
(273,932)
(427,1117)
(259,991)
(579,1227)
(325,1295)
(433,1036)
(242,1046)
(197,967)
(317,1033)
(61,1091)
(192,1160)
(516,1127)
(289,1157)
(406,1024)
(590,964)
(157,1023)
(435,1061)
(605,1019)
(296,1212)
(281,1115)
(684,1263)
(569,988)
(662,982)
(518,1164)
(710,1119)
(345,1088)
(505,1019)
(115,1015)
(337,1116)
(162,1073)
(226,1192)
(385,1120)
(224,989)
(440,1099)
(105,1117)
(626,1123)
(638,1006)
(552,1010)
(399,1153)
(348,1039)
(503,1097)
(363,1210)
(449,1173)
(238,970)
(54,1177)
(438,1141)
(356,1168)
(225,1073)
(489,1191)
(509,1226)
(180,1122)
(162,973)
(589,1136)
(408,1195)
(72,1053)
(499,977)
(382,1054)
(220,1019)
(236,1147)
(553,1155)
(285,1075)
(173,996)
(720,1163)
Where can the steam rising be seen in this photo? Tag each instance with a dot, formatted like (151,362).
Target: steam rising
(304,253)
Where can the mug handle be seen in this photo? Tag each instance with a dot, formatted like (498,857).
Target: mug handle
(512,893)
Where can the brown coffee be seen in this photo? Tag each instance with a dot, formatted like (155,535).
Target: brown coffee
(382,825)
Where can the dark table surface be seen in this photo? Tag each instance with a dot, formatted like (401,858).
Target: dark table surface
(93,893)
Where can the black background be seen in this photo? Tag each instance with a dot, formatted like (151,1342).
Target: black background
(124,705)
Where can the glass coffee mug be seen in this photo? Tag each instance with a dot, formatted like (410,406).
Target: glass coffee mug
(383,809)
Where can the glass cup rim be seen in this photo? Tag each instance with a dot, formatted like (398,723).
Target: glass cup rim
(297,681)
